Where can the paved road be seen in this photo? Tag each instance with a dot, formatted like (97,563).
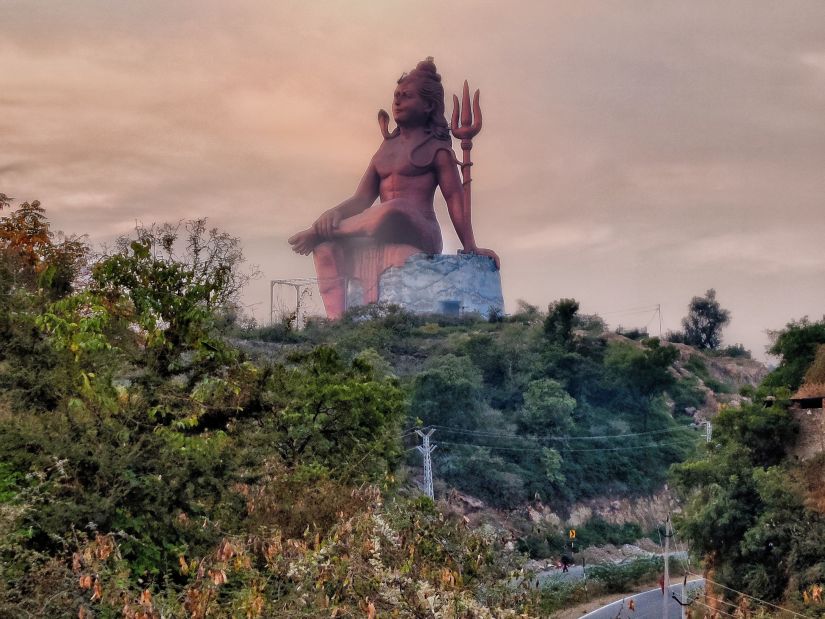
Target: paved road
(648,604)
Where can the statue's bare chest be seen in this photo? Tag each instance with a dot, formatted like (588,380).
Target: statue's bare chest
(393,159)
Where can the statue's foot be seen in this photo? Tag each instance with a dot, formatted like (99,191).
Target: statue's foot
(304,242)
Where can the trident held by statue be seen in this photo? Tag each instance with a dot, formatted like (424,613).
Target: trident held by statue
(469,128)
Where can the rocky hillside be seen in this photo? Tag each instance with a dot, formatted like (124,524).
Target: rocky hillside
(724,381)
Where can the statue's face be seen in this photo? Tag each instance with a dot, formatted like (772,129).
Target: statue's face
(408,108)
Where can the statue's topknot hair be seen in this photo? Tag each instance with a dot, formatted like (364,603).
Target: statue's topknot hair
(428,65)
(428,81)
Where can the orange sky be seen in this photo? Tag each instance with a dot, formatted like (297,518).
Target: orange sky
(633,153)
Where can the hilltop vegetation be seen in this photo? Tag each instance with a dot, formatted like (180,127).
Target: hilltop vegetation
(517,402)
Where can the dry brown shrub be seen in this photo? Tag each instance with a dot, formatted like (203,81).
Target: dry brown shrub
(811,390)
(295,506)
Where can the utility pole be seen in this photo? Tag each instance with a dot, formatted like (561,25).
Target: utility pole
(666,575)
(659,309)
(426,449)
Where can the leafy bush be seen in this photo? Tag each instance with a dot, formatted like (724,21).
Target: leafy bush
(598,532)
(448,393)
(633,333)
(735,351)
(558,593)
(542,544)
(484,475)
(281,332)
(796,345)
(159,447)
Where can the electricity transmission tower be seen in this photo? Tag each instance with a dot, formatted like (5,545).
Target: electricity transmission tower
(426,448)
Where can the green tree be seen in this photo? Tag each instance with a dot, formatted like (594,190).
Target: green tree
(704,323)
(796,345)
(548,409)
(37,266)
(328,412)
(449,392)
(176,286)
(645,372)
(33,256)
(488,476)
(744,513)
(561,318)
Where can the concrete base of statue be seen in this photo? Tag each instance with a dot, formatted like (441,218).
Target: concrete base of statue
(441,284)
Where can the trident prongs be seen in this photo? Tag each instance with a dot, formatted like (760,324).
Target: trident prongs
(469,128)
(470,120)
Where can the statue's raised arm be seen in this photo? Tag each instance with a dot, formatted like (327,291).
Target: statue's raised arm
(359,240)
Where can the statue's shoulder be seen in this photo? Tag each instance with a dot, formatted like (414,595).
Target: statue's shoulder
(423,154)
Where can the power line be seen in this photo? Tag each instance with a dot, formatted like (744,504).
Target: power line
(655,312)
(491,446)
(718,584)
(716,610)
(639,309)
(484,433)
(496,447)
(627,448)
(722,600)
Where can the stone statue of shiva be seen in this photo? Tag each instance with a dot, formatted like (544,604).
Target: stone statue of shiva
(359,240)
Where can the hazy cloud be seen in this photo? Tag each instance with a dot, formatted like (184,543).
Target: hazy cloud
(618,136)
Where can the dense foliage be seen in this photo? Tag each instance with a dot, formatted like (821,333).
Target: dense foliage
(516,403)
(753,513)
(796,347)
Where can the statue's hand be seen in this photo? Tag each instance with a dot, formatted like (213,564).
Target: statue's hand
(483,252)
(327,223)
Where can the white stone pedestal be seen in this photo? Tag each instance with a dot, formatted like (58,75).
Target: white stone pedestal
(444,284)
